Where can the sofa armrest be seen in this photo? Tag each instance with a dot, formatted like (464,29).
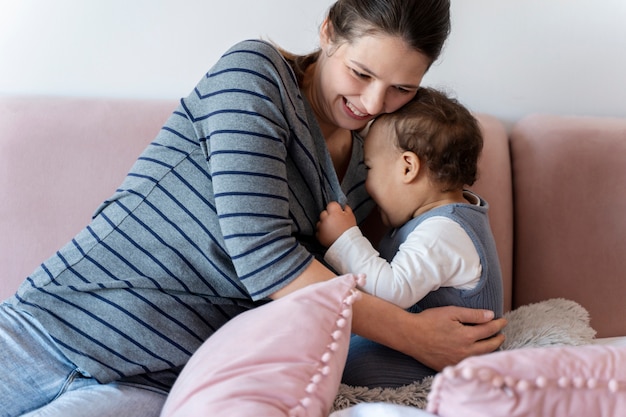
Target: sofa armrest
(570,224)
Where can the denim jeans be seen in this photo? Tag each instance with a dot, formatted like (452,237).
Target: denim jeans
(366,359)
(37,379)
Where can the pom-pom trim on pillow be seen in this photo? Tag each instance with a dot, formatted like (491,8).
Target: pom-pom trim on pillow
(282,359)
(325,365)
(556,381)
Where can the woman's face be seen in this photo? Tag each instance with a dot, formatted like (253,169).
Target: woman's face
(355,82)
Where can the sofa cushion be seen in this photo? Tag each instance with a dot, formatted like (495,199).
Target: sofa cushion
(284,358)
(570,223)
(535,382)
(59,159)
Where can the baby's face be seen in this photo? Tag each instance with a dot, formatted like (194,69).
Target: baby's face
(384,173)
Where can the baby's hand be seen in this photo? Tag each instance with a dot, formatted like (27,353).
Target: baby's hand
(333,222)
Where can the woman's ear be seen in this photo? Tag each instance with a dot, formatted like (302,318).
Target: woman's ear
(411,164)
(327,38)
(326,34)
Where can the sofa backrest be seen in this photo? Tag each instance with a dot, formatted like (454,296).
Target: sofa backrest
(494,185)
(569,176)
(59,159)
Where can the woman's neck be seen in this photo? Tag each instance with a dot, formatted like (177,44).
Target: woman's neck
(338,140)
(340,148)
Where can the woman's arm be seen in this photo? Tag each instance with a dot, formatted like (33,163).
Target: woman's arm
(436,337)
(250,122)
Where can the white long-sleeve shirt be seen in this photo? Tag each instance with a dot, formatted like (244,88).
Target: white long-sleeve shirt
(437,253)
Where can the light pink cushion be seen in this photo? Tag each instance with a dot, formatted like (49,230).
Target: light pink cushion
(59,159)
(570,223)
(553,381)
(282,359)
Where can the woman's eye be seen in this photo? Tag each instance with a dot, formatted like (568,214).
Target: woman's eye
(359,74)
(404,90)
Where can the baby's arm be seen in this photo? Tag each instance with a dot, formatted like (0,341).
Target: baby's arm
(333,222)
(437,253)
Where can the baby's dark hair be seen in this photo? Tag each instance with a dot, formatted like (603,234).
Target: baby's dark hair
(442,133)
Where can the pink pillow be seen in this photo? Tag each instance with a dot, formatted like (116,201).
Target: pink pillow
(284,358)
(552,381)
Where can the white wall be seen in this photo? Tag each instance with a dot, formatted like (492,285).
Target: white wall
(504,57)
(136,48)
(514,57)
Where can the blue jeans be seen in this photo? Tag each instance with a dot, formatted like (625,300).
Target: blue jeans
(37,379)
(372,365)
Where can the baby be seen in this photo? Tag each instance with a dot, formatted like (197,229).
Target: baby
(440,249)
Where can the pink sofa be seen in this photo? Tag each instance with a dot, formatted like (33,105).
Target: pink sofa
(554,185)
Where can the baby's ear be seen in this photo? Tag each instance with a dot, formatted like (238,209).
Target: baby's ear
(411,164)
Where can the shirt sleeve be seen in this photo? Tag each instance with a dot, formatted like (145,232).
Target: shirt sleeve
(438,253)
(240,114)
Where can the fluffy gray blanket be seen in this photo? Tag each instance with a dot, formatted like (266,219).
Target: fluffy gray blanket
(554,322)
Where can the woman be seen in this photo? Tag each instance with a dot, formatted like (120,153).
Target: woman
(218,214)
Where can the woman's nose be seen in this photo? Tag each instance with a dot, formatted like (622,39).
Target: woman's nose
(374,100)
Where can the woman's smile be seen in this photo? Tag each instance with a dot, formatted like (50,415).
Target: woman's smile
(354,112)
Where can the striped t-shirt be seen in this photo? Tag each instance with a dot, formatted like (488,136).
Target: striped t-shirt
(216,214)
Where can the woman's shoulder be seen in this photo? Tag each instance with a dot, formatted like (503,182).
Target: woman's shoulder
(255,45)
(256,56)
(251,49)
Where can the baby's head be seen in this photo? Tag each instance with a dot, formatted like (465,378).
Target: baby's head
(441,132)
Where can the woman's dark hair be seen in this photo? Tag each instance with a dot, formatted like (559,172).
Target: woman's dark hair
(423,24)
(442,133)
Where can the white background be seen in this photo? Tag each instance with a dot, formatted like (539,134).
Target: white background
(504,57)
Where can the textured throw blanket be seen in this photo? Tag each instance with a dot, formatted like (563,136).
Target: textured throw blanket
(554,322)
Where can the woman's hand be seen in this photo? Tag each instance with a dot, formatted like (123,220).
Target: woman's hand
(451,334)
(436,337)
(333,222)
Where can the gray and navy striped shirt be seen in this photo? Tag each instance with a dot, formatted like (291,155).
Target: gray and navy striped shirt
(216,214)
